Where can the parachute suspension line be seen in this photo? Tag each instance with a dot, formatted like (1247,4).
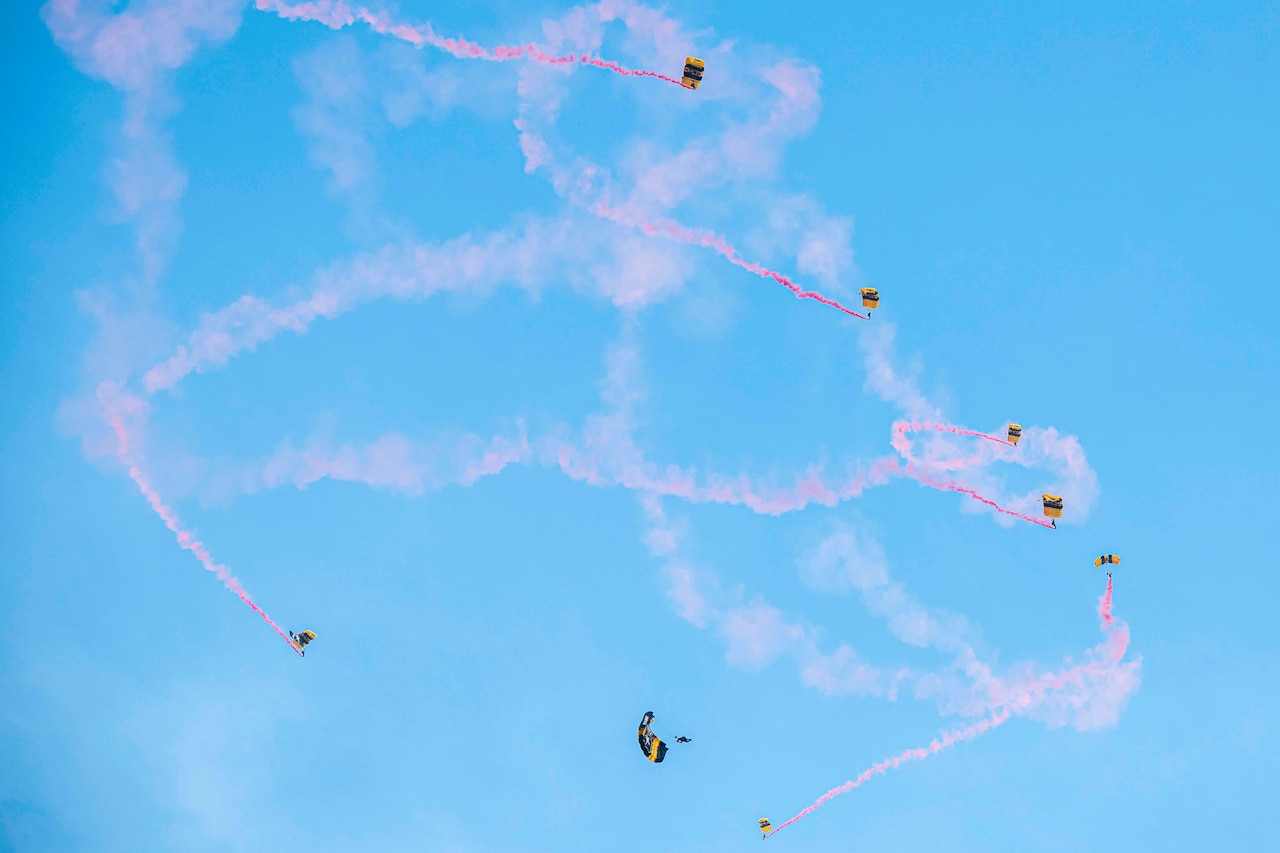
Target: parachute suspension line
(709,239)
(337,14)
(186,540)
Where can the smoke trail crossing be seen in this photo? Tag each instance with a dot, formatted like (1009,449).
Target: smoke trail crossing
(1021,696)
(915,468)
(337,14)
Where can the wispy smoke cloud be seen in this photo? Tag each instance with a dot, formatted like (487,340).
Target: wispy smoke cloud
(136,50)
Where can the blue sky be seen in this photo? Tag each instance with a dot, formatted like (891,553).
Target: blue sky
(371,341)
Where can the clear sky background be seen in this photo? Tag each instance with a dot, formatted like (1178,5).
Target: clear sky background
(1071,213)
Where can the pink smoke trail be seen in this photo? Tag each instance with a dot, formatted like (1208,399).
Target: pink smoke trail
(902,444)
(391,462)
(1030,691)
(921,477)
(185,539)
(1021,696)
(943,741)
(337,14)
(711,240)
(901,428)
(812,488)
(1104,608)
(913,468)
(584,465)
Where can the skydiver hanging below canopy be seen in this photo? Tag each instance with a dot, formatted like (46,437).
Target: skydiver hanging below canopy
(1106,560)
(1052,508)
(650,744)
(301,639)
(870,298)
(693,68)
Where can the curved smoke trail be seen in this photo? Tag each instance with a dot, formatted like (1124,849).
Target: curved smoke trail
(337,14)
(917,470)
(1022,697)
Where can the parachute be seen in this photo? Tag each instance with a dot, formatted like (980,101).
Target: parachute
(1052,507)
(1015,433)
(693,68)
(301,639)
(870,297)
(765,826)
(1106,560)
(650,744)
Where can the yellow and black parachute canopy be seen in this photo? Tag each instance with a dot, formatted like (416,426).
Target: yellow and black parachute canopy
(650,744)
(693,68)
(765,826)
(1015,433)
(870,297)
(1052,506)
(1106,559)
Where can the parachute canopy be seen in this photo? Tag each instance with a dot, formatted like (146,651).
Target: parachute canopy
(1052,506)
(870,297)
(693,68)
(1015,433)
(1106,559)
(765,825)
(301,639)
(650,744)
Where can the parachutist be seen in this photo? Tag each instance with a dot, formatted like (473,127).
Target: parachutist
(301,639)
(1052,509)
(1107,560)
(650,744)
(693,68)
